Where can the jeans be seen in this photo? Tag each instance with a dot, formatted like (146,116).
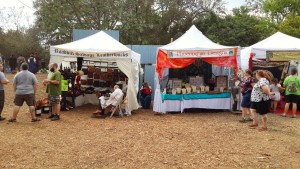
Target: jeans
(145,101)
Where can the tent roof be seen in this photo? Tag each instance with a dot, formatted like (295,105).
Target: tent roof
(99,42)
(278,41)
(193,39)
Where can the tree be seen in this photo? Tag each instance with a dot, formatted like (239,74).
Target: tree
(278,10)
(291,26)
(139,21)
(16,42)
(238,29)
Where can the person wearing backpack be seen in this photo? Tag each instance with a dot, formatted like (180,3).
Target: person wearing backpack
(292,92)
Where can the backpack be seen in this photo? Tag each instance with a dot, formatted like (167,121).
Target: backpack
(292,86)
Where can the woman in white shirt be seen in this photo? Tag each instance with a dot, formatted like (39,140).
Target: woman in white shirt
(260,97)
(275,87)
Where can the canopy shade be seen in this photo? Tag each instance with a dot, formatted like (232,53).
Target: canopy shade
(191,45)
(184,51)
(276,42)
(102,47)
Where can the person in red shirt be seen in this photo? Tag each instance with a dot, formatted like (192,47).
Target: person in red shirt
(145,95)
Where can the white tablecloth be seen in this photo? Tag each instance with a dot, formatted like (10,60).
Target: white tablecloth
(179,106)
(217,103)
(171,106)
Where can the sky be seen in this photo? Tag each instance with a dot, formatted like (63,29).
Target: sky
(24,12)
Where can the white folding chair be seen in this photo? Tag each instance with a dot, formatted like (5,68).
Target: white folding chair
(117,107)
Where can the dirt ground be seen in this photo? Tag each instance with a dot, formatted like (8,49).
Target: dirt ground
(144,140)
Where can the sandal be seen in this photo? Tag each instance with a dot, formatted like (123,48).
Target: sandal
(294,116)
(2,118)
(283,115)
(253,125)
(263,129)
(35,120)
(12,120)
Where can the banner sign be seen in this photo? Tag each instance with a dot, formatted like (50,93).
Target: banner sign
(66,52)
(283,55)
(200,53)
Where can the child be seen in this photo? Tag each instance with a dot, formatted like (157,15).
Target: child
(275,87)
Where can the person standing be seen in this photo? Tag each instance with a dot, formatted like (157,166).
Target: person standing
(247,86)
(54,91)
(12,63)
(32,64)
(25,86)
(3,81)
(20,60)
(38,60)
(260,98)
(276,88)
(292,92)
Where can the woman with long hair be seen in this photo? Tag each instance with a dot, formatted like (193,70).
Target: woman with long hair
(260,98)
(247,86)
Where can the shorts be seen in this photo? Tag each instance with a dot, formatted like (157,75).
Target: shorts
(28,98)
(261,107)
(246,100)
(291,98)
(53,99)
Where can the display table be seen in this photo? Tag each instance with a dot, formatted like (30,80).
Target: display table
(179,102)
(85,99)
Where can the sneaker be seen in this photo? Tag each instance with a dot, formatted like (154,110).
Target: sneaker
(50,116)
(243,120)
(2,118)
(55,117)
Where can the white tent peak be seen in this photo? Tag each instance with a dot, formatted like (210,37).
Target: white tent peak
(193,39)
(100,41)
(278,41)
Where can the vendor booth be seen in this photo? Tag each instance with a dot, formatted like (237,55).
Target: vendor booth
(105,56)
(273,54)
(277,48)
(193,91)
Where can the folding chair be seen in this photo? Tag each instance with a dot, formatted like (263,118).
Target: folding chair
(116,107)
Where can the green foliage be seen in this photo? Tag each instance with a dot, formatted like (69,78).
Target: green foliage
(139,21)
(291,26)
(239,29)
(278,10)
(15,42)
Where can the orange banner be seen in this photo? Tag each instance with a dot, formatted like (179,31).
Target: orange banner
(162,61)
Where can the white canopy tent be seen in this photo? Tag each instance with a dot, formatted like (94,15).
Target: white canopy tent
(277,42)
(192,40)
(102,47)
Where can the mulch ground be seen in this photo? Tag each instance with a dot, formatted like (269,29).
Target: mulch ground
(143,140)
